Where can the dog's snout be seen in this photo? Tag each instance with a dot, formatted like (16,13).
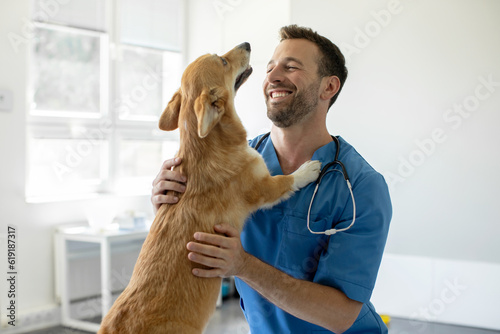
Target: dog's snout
(245,46)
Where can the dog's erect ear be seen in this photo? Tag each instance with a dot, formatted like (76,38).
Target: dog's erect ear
(170,118)
(209,108)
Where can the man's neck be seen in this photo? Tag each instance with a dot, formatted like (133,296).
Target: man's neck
(296,145)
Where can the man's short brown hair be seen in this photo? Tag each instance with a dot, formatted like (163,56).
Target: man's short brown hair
(331,62)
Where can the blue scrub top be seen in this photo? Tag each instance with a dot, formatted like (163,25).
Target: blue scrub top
(348,261)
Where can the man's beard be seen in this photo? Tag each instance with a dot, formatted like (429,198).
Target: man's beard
(284,115)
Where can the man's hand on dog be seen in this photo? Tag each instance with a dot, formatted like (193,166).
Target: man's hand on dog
(222,252)
(167,179)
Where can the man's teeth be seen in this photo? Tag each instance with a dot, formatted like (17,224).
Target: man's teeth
(279,94)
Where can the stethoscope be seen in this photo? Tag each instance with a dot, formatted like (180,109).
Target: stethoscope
(325,170)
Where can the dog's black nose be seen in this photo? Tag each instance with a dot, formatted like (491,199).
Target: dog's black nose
(245,46)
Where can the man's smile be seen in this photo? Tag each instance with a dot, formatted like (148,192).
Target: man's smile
(277,95)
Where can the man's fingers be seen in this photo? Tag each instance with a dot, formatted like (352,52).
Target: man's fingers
(166,172)
(169,175)
(221,253)
(206,260)
(207,273)
(209,250)
(167,179)
(168,164)
(165,185)
(164,199)
(228,230)
(221,241)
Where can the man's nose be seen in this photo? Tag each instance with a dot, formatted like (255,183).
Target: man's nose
(275,75)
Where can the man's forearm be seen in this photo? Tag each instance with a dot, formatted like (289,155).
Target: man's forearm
(318,304)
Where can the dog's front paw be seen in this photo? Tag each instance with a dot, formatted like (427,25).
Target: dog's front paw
(307,173)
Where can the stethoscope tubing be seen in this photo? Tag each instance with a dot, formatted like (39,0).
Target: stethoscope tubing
(325,170)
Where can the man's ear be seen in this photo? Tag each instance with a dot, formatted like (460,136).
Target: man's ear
(331,87)
(170,117)
(209,108)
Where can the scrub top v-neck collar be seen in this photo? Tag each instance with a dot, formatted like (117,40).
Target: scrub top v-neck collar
(324,154)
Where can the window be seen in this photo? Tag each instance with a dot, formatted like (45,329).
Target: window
(101,73)
(68,69)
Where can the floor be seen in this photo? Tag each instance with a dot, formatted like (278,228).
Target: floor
(229,319)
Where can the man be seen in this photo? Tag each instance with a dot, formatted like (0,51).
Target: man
(289,279)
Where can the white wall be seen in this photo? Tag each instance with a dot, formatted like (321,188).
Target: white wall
(404,77)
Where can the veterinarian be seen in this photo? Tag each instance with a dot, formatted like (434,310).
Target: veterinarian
(289,279)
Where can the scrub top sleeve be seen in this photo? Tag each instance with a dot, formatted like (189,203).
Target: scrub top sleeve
(352,258)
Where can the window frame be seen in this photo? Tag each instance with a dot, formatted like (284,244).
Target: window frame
(107,123)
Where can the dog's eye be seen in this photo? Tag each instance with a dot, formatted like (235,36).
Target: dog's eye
(224,61)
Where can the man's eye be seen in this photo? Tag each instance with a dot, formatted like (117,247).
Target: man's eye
(291,68)
(224,61)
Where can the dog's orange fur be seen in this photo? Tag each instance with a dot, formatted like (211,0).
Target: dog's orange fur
(227,180)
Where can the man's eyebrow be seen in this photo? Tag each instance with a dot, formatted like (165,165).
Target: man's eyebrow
(286,60)
(296,60)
